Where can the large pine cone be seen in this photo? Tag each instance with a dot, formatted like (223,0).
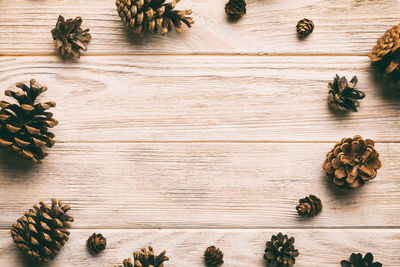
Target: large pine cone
(146,258)
(385,56)
(24,126)
(213,256)
(69,38)
(235,9)
(280,251)
(96,243)
(352,162)
(309,206)
(342,94)
(43,230)
(356,260)
(150,16)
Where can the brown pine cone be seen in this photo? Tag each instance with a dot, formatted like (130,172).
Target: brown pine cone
(146,258)
(305,27)
(96,243)
(235,9)
(69,38)
(213,256)
(150,16)
(385,56)
(352,162)
(280,251)
(309,206)
(43,230)
(342,94)
(356,260)
(24,126)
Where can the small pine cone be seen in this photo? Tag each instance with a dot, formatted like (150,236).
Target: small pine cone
(24,126)
(235,9)
(352,162)
(342,94)
(280,251)
(69,38)
(305,27)
(213,256)
(145,258)
(356,260)
(385,56)
(149,16)
(309,206)
(96,243)
(43,230)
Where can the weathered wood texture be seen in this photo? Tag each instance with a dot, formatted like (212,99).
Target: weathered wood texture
(213,134)
(342,26)
(205,98)
(241,247)
(196,185)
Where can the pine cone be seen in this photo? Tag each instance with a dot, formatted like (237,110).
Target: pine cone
(280,251)
(385,56)
(356,260)
(235,9)
(69,38)
(96,243)
(213,256)
(352,162)
(24,126)
(309,206)
(305,27)
(342,94)
(43,230)
(145,258)
(150,16)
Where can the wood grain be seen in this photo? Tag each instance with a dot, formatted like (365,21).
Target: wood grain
(205,98)
(342,27)
(198,185)
(241,247)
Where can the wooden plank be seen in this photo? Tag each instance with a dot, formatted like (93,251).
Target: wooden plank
(197,185)
(268,27)
(175,98)
(240,247)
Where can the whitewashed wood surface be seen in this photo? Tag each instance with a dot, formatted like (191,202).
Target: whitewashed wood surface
(208,137)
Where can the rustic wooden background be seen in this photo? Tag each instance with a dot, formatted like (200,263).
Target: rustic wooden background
(207,137)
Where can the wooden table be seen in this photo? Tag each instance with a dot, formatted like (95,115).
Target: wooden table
(205,138)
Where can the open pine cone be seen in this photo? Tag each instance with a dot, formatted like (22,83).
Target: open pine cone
(235,9)
(352,162)
(385,56)
(146,258)
(150,16)
(24,126)
(43,230)
(342,94)
(69,38)
(309,206)
(280,251)
(356,260)
(213,256)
